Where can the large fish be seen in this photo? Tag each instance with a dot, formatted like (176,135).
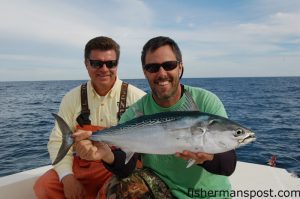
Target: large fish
(167,133)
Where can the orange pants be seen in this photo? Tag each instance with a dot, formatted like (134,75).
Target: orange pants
(92,175)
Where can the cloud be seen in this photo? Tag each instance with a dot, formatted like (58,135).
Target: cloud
(51,35)
(275,26)
(63,22)
(43,34)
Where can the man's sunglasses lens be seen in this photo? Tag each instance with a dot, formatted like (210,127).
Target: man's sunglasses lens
(167,66)
(99,64)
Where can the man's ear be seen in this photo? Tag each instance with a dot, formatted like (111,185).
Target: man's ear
(180,69)
(144,72)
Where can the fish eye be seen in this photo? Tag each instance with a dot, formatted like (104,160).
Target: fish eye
(239,132)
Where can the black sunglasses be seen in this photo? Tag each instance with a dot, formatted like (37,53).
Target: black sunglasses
(167,66)
(99,64)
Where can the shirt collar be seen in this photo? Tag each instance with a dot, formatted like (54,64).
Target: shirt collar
(113,91)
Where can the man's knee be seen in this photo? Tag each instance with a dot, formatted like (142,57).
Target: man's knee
(39,188)
(48,186)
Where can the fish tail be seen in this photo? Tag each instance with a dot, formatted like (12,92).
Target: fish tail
(67,140)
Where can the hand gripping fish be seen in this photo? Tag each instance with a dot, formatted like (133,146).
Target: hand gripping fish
(167,133)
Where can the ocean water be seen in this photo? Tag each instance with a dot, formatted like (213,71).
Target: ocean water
(269,106)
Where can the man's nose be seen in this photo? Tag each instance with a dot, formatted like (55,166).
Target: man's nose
(103,68)
(161,71)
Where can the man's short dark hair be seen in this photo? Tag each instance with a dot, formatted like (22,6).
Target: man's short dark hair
(101,43)
(158,42)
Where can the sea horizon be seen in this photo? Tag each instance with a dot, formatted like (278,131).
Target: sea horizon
(234,77)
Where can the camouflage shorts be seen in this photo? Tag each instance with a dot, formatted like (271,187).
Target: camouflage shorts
(142,183)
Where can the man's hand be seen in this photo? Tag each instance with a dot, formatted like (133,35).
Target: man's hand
(88,150)
(199,157)
(81,135)
(73,189)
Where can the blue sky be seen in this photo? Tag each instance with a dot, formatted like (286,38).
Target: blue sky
(44,40)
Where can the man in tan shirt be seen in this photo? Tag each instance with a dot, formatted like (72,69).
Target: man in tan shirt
(73,177)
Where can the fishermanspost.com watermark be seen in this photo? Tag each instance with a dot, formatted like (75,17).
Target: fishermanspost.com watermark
(266,193)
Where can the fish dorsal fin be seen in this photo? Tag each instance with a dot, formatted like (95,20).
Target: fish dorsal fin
(137,112)
(189,103)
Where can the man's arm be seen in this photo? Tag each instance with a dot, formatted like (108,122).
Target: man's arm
(222,163)
(119,168)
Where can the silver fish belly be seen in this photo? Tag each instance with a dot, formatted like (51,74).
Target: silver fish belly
(170,132)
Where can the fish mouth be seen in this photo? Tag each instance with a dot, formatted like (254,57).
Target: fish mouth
(251,137)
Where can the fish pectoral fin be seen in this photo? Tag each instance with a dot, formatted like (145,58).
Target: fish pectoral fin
(129,155)
(190,163)
(198,130)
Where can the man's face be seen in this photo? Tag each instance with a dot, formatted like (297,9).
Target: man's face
(164,84)
(102,77)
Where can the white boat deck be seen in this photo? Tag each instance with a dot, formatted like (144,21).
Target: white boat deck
(247,177)
(261,179)
(20,185)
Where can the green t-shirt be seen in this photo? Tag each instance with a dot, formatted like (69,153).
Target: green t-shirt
(183,182)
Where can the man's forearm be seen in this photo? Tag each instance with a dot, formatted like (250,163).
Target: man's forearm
(119,168)
(222,164)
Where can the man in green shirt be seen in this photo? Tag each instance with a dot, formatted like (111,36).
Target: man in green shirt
(163,67)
